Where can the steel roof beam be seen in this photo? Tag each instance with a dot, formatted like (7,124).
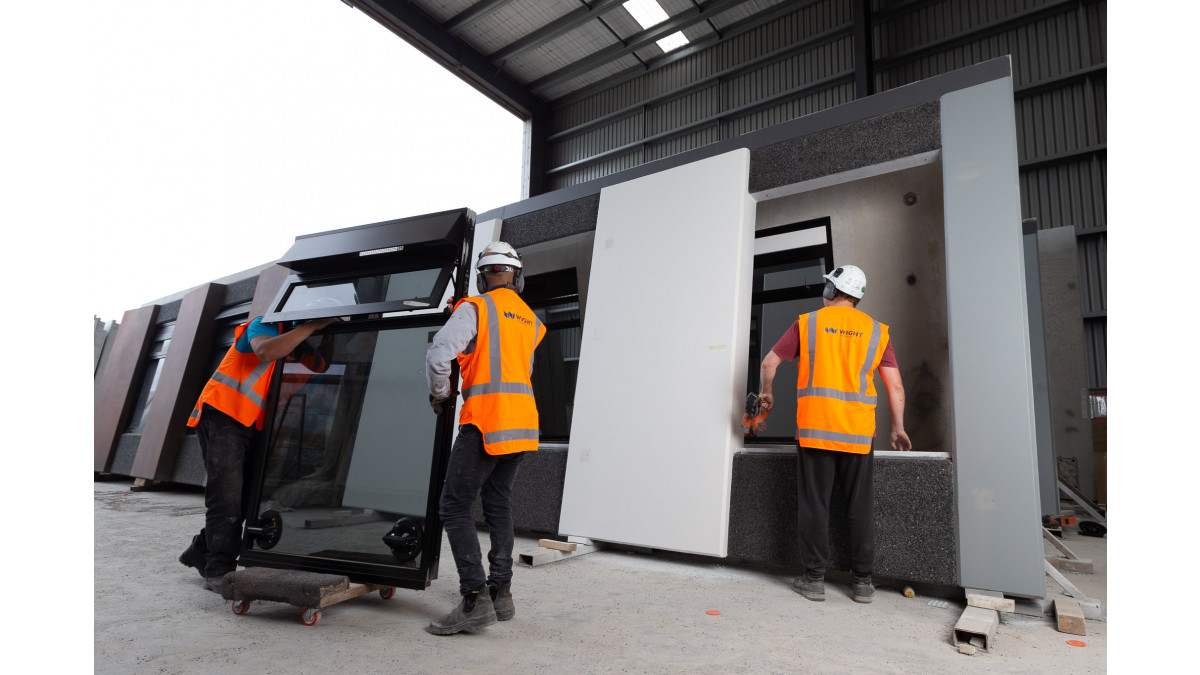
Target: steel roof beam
(678,22)
(472,14)
(564,24)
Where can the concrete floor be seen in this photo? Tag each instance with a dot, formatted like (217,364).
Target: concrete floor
(606,612)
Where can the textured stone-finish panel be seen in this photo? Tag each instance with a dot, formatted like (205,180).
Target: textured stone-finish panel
(126,450)
(240,291)
(189,463)
(886,137)
(914,516)
(554,222)
(1066,366)
(537,493)
(168,311)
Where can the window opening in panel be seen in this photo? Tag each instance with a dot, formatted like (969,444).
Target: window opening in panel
(790,262)
(554,298)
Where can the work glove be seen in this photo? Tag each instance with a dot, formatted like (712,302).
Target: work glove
(438,404)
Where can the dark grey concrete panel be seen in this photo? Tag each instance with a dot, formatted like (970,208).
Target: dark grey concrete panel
(915,516)
(126,451)
(891,136)
(551,223)
(1058,266)
(169,311)
(240,291)
(537,493)
(189,464)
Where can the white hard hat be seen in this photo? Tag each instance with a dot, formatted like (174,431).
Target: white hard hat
(849,280)
(498,253)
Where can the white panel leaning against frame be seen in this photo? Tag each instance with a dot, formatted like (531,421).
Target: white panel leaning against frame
(662,370)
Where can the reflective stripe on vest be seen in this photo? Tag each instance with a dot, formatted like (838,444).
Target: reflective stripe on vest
(503,410)
(238,398)
(850,427)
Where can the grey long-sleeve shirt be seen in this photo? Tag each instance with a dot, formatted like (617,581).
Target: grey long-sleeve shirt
(454,338)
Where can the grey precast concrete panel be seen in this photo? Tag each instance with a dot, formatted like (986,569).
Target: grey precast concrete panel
(1000,544)
(1047,471)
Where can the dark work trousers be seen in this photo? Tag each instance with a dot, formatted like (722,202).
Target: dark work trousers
(474,473)
(816,471)
(225,445)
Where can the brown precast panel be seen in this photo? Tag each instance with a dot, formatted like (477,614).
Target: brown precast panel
(119,385)
(270,281)
(183,375)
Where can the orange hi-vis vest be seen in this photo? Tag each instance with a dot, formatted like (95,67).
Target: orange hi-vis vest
(840,348)
(239,387)
(496,389)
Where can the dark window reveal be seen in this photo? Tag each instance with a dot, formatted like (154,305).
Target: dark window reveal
(554,297)
(787,283)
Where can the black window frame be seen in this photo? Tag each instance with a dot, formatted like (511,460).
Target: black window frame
(777,261)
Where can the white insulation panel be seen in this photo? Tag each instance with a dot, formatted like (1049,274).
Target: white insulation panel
(662,371)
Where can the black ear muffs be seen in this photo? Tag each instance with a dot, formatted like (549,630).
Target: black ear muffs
(830,291)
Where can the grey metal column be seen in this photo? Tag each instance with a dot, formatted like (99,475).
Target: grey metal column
(995,450)
(1046,464)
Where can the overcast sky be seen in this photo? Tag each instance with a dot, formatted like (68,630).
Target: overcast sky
(221,130)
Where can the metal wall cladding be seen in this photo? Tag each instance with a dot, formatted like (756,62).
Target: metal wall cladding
(1095,335)
(1067,193)
(707,64)
(1062,120)
(620,132)
(1093,272)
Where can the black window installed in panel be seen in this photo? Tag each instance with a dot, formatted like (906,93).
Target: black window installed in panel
(154,363)
(554,297)
(788,279)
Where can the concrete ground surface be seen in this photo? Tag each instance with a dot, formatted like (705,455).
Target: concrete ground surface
(605,612)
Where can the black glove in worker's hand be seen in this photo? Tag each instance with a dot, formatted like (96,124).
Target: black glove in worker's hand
(438,404)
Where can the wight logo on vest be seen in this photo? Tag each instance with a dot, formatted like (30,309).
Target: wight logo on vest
(851,333)
(518,317)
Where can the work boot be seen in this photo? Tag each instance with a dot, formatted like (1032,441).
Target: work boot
(811,587)
(864,592)
(502,600)
(194,555)
(475,612)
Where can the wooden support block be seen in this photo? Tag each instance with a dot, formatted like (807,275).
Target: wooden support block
(990,600)
(976,626)
(1072,565)
(1070,616)
(142,482)
(557,545)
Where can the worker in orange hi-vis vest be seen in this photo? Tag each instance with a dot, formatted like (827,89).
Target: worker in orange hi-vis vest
(228,417)
(838,348)
(493,337)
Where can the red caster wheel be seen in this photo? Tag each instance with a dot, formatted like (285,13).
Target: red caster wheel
(310,617)
(240,607)
(387,593)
